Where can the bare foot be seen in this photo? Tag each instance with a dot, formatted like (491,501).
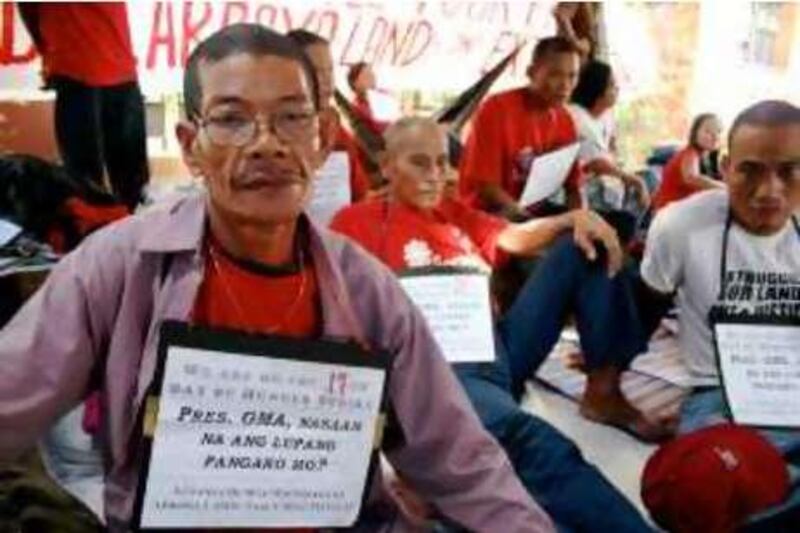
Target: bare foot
(615,410)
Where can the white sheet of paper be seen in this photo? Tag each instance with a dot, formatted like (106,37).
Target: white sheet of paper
(260,442)
(332,189)
(8,231)
(384,106)
(760,365)
(458,310)
(548,173)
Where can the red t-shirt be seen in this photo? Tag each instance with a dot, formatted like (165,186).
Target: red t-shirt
(255,299)
(510,129)
(252,298)
(359,181)
(403,237)
(673,187)
(87,42)
(364,111)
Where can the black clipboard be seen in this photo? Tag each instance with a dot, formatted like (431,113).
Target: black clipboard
(745,319)
(172,333)
(433,270)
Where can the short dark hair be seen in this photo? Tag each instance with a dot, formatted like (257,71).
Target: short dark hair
(355,72)
(552,45)
(243,38)
(304,38)
(694,130)
(592,83)
(766,113)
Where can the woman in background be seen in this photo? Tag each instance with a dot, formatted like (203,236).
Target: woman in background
(687,172)
(361,79)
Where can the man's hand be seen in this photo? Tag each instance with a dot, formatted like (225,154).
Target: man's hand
(416,510)
(587,228)
(514,213)
(640,189)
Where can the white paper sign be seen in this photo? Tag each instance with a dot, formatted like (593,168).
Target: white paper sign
(384,106)
(260,442)
(548,174)
(458,310)
(8,231)
(760,366)
(332,189)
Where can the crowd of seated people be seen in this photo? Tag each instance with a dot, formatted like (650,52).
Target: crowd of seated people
(242,256)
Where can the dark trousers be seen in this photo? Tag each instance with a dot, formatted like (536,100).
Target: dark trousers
(102,130)
(550,466)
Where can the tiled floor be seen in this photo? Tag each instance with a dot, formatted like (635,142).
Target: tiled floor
(619,456)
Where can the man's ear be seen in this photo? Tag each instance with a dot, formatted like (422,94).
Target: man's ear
(328,131)
(725,168)
(530,71)
(186,132)
(385,161)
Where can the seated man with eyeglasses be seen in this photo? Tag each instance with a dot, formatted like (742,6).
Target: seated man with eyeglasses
(242,256)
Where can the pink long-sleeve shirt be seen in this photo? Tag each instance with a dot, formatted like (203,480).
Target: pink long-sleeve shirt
(98,316)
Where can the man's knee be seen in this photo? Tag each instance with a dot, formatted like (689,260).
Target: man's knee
(565,256)
(525,431)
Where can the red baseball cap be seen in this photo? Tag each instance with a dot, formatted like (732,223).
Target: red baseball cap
(711,480)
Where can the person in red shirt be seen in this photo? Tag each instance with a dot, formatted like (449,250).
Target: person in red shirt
(88,59)
(281,300)
(512,128)
(684,175)
(318,51)
(254,133)
(361,79)
(251,132)
(418,226)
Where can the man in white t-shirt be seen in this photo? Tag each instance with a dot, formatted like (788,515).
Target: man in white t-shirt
(735,252)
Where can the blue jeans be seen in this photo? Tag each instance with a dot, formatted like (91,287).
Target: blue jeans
(566,282)
(550,466)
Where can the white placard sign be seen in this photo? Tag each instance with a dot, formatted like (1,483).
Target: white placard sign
(332,189)
(548,173)
(458,310)
(384,106)
(258,442)
(8,231)
(760,368)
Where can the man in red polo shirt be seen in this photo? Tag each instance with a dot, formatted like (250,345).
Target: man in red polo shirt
(512,128)
(88,59)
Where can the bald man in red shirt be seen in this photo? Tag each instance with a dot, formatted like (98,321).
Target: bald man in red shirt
(512,128)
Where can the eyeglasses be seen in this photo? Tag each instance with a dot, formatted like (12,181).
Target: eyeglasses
(238,127)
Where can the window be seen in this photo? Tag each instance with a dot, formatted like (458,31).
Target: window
(771,32)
